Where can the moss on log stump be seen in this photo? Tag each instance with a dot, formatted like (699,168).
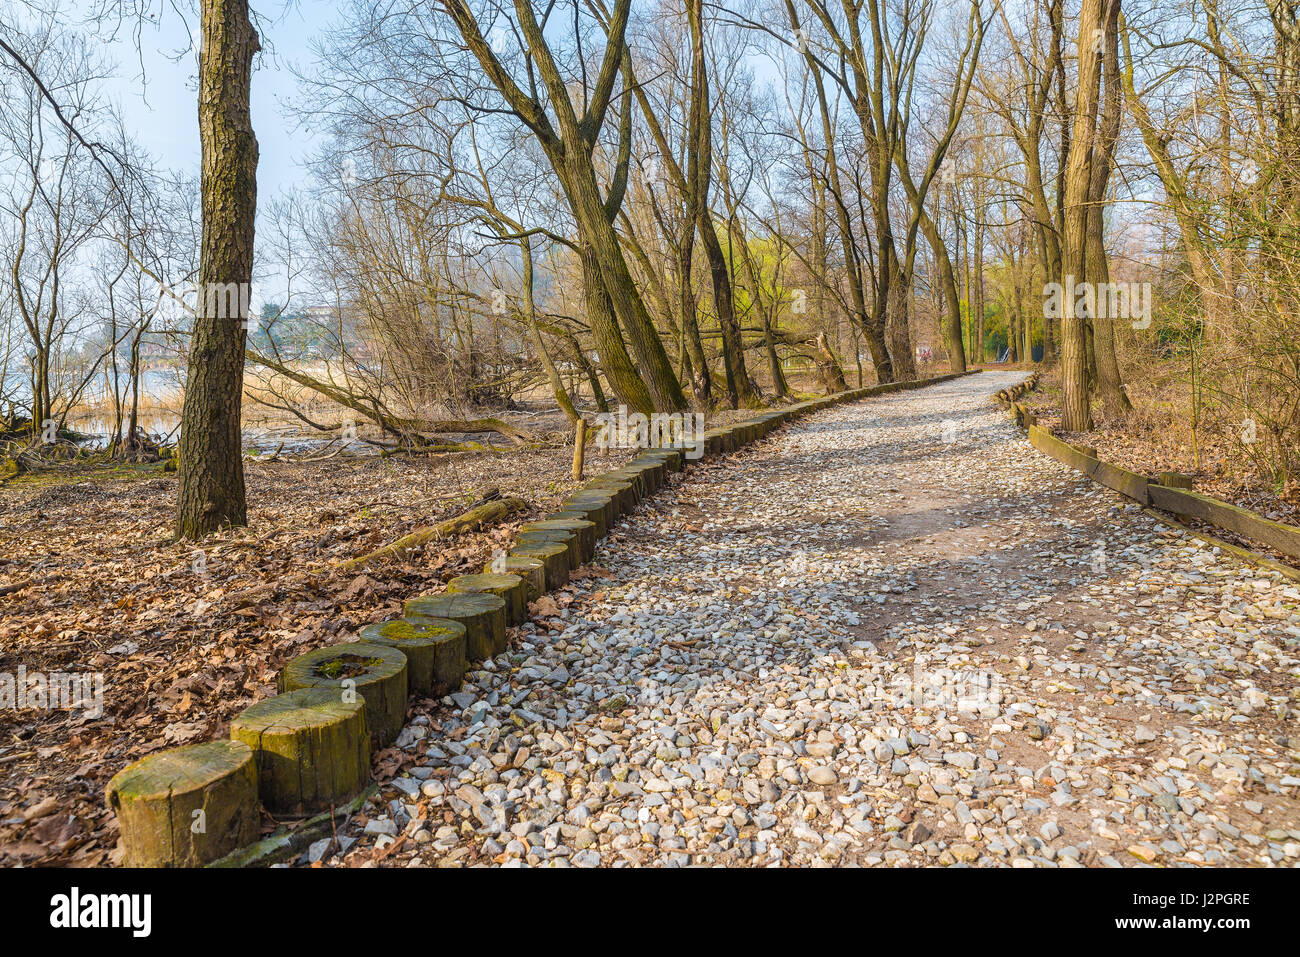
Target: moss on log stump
(480,516)
(532,571)
(510,588)
(672,458)
(188,806)
(596,517)
(434,649)
(554,536)
(312,750)
(591,501)
(640,484)
(584,531)
(623,493)
(375,672)
(553,556)
(484,618)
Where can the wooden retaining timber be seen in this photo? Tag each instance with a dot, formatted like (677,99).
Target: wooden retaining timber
(343,694)
(1276,535)
(1169,491)
(1129,483)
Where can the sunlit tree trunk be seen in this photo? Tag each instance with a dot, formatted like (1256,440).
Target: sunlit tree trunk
(211,472)
(1076,412)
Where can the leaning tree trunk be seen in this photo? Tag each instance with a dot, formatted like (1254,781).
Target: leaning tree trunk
(948,284)
(211,472)
(620,372)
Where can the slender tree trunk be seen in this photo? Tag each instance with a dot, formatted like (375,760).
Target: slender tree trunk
(693,351)
(1076,412)
(740,390)
(1105,359)
(978,253)
(530,308)
(211,471)
(948,289)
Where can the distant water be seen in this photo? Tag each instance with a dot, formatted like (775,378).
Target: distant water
(165,388)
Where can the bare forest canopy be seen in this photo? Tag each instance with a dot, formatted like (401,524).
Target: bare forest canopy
(662,205)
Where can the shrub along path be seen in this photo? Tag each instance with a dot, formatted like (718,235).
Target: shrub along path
(890,633)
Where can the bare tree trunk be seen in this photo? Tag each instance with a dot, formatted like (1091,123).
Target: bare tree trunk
(1103,332)
(693,353)
(740,390)
(211,472)
(948,288)
(1076,412)
(615,362)
(897,325)
(535,333)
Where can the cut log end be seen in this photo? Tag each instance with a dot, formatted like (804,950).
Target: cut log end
(312,750)
(509,588)
(554,557)
(434,649)
(484,618)
(188,806)
(376,673)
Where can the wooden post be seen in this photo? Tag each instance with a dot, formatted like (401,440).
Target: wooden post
(579,449)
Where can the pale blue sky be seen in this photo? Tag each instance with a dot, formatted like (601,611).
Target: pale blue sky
(160,104)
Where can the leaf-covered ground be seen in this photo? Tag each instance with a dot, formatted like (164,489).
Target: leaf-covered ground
(186,637)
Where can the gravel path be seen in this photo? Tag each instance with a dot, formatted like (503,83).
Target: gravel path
(892,633)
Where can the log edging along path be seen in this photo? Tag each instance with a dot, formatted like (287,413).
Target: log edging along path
(166,826)
(1159,495)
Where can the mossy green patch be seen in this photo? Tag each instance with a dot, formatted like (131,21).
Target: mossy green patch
(345,666)
(403,630)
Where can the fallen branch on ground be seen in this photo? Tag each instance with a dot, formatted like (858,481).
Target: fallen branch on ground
(477,517)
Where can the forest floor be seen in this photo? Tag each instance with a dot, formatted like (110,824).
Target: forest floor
(890,633)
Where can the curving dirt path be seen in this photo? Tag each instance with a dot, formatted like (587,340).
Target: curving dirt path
(891,633)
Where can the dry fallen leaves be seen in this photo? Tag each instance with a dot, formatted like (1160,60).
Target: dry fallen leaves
(187,635)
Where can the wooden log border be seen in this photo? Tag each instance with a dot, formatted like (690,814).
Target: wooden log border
(1160,499)
(643,476)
